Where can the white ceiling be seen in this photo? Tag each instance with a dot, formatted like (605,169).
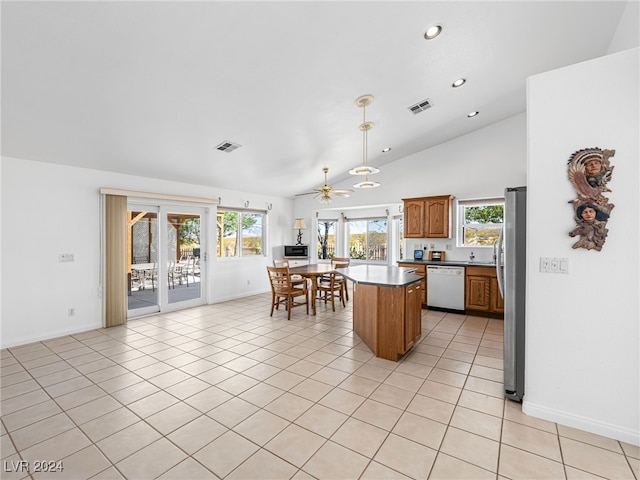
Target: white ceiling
(151,88)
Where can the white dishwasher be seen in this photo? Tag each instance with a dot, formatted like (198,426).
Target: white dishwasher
(445,288)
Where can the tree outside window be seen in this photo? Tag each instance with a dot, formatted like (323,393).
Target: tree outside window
(481,222)
(240,229)
(368,239)
(326,239)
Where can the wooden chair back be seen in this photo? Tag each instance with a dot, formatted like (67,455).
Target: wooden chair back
(284,290)
(280,279)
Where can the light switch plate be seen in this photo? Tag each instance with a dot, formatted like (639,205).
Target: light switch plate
(65,257)
(554,265)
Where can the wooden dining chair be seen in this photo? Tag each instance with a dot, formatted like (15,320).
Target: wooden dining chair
(296,280)
(331,288)
(337,263)
(284,292)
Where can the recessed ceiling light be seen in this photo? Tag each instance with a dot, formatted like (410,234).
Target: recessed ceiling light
(432,32)
(459,82)
(386,149)
(472,114)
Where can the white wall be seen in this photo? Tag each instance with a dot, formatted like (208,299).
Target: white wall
(477,165)
(50,209)
(628,32)
(582,345)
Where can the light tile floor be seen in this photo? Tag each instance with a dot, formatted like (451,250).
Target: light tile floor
(225,391)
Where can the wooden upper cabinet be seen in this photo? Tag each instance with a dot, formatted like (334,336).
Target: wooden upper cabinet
(413,218)
(428,217)
(437,218)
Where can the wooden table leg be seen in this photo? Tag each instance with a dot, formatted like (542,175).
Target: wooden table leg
(314,291)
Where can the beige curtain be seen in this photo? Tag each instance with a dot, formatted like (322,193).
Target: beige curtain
(115,260)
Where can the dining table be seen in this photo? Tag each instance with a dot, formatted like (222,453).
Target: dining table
(313,271)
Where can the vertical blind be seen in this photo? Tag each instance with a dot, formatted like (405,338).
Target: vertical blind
(115,260)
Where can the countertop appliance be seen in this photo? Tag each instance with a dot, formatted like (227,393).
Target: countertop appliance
(445,288)
(436,256)
(511,272)
(296,251)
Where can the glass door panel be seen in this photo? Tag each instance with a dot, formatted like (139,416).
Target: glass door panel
(142,261)
(183,240)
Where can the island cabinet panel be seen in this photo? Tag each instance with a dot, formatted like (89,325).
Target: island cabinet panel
(422,271)
(387,319)
(428,217)
(365,307)
(390,324)
(482,294)
(413,322)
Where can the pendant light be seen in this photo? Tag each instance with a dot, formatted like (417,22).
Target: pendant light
(365,169)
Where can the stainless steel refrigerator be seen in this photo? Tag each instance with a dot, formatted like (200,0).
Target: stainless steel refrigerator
(511,269)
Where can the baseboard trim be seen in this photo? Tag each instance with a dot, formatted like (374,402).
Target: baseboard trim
(590,425)
(49,336)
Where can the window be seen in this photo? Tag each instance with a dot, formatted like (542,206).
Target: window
(399,222)
(326,239)
(367,239)
(240,233)
(480,222)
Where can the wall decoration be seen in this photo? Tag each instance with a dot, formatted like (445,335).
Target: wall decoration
(589,172)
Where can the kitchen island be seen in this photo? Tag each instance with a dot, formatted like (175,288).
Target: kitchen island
(386,308)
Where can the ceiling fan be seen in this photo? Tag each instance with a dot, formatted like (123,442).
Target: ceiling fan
(323,193)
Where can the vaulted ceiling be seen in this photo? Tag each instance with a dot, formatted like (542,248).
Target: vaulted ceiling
(152,88)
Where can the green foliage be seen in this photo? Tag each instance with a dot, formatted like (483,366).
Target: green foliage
(190,232)
(236,225)
(484,214)
(230,223)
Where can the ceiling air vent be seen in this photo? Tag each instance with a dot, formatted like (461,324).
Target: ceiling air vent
(420,107)
(227,147)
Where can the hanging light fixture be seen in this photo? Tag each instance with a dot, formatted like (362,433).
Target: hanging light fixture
(365,169)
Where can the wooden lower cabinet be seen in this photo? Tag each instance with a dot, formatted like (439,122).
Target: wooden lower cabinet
(497,302)
(387,319)
(482,294)
(477,293)
(413,315)
(422,271)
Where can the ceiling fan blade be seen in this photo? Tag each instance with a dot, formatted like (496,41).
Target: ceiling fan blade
(342,193)
(306,193)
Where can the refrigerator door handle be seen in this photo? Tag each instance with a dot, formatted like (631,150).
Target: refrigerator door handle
(499,269)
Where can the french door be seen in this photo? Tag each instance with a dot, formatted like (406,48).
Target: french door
(165,264)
